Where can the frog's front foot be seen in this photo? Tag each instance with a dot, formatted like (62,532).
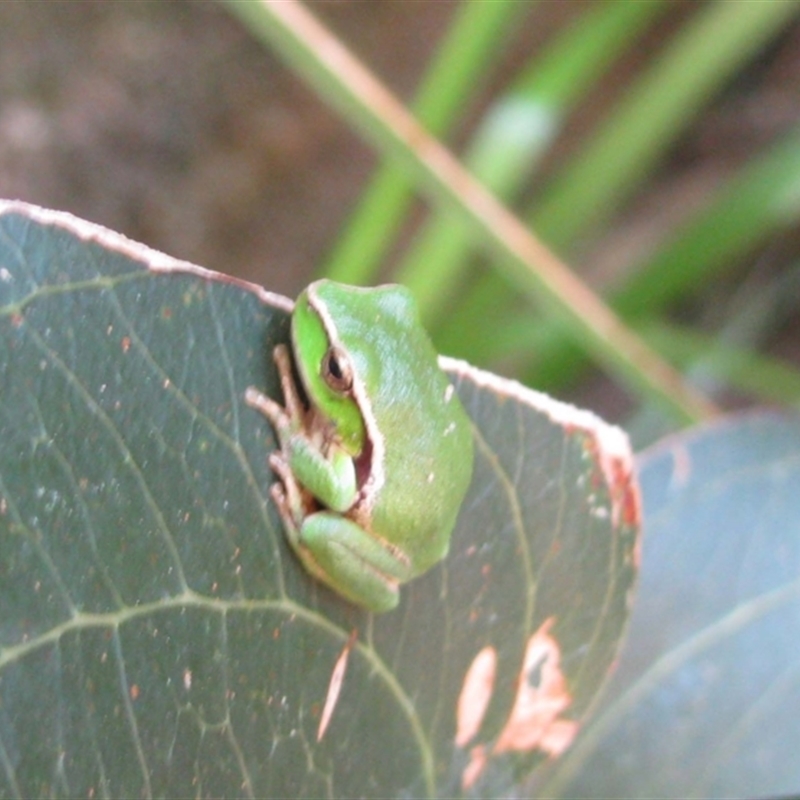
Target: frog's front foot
(293,503)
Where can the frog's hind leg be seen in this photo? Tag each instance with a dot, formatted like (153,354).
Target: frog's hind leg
(352,561)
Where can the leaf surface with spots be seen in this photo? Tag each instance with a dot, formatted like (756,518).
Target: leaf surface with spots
(157,635)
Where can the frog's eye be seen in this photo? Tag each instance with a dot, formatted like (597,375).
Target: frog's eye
(337,371)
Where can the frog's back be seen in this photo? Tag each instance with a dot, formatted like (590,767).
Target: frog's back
(423,446)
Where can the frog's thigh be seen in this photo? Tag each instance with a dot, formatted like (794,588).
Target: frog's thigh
(353,560)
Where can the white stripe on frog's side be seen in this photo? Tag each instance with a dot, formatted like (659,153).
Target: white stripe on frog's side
(377,475)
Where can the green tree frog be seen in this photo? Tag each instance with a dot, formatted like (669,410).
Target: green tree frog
(374,467)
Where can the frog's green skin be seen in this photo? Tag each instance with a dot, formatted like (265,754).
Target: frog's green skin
(374,470)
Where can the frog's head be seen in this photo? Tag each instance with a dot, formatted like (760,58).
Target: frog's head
(327,370)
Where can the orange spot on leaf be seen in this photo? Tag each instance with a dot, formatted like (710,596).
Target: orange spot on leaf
(476,693)
(542,697)
(335,685)
(535,721)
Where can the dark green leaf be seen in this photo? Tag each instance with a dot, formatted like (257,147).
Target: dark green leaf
(706,697)
(157,636)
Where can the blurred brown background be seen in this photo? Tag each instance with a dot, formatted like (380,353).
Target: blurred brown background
(168,122)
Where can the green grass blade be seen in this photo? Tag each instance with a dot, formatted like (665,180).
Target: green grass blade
(759,201)
(711,46)
(477,33)
(762,198)
(679,81)
(517,130)
(709,49)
